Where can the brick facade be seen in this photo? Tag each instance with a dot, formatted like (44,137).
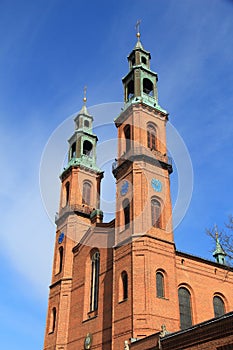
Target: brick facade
(105,287)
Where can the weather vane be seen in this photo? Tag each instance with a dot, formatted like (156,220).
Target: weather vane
(137,27)
(85,94)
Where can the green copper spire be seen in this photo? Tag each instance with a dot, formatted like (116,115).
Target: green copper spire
(140,84)
(82,149)
(219,253)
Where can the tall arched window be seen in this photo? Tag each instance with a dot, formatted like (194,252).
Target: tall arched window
(156,213)
(60,259)
(52,323)
(185,308)
(219,307)
(67,192)
(124,281)
(126,208)
(86,197)
(95,268)
(159,285)
(127,138)
(148,87)
(151,136)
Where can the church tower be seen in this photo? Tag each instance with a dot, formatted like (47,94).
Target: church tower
(79,205)
(144,246)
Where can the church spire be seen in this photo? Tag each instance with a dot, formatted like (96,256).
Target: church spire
(219,253)
(82,144)
(138,35)
(140,83)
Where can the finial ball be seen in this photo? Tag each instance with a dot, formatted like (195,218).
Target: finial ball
(84,99)
(138,35)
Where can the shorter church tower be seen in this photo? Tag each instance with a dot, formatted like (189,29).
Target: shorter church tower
(79,203)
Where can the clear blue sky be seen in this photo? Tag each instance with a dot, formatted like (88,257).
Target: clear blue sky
(49,51)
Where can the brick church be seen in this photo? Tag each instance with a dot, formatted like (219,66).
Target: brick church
(122,284)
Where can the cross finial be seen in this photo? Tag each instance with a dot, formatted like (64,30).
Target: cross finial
(85,94)
(216,231)
(137,27)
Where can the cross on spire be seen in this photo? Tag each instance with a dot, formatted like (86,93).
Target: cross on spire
(85,94)
(137,27)
(216,231)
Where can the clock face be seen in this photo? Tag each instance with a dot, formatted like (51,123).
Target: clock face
(88,341)
(124,188)
(156,185)
(61,237)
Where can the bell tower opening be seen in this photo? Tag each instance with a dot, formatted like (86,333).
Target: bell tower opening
(130,90)
(87,148)
(144,60)
(73,151)
(86,123)
(148,87)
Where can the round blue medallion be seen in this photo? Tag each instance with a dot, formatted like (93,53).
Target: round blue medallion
(124,188)
(156,185)
(61,237)
(88,341)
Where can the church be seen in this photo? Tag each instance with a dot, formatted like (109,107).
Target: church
(123,284)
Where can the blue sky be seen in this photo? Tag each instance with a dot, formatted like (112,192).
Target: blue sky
(49,51)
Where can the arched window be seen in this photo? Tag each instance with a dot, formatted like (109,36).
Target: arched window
(151,136)
(155,213)
(95,268)
(87,148)
(124,281)
(73,150)
(219,307)
(148,87)
(67,192)
(126,208)
(127,137)
(143,59)
(86,197)
(185,308)
(52,323)
(159,285)
(130,90)
(60,259)
(86,123)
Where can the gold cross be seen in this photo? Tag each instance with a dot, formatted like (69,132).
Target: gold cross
(85,94)
(216,231)
(137,27)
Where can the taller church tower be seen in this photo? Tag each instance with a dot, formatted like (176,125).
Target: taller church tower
(144,246)
(102,297)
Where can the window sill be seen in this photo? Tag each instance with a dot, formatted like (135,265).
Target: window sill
(122,301)
(91,315)
(124,230)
